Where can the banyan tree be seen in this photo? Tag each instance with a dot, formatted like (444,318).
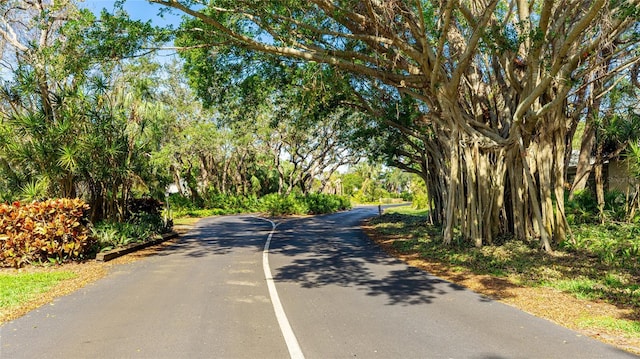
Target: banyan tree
(501,86)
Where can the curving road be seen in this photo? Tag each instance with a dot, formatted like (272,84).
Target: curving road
(208,296)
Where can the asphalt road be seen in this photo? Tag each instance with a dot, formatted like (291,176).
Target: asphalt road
(208,296)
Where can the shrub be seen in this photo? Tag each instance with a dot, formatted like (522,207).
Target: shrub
(406,196)
(612,243)
(345,202)
(178,201)
(615,206)
(279,205)
(144,221)
(315,203)
(117,234)
(318,203)
(420,201)
(231,203)
(145,205)
(583,208)
(51,230)
(214,203)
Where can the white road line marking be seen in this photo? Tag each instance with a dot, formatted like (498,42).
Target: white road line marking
(289,337)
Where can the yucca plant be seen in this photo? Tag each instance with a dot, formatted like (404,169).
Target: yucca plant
(34,190)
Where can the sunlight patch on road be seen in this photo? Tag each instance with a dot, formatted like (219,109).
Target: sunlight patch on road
(243,283)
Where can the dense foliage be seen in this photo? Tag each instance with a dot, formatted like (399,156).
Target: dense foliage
(481,99)
(77,119)
(144,221)
(273,204)
(40,232)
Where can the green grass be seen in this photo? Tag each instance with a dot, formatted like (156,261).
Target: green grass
(185,221)
(581,288)
(19,288)
(407,210)
(631,328)
(200,213)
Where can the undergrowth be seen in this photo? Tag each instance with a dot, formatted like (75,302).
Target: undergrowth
(603,264)
(274,204)
(144,222)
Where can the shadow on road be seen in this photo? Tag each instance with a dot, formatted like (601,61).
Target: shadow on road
(219,236)
(328,250)
(328,253)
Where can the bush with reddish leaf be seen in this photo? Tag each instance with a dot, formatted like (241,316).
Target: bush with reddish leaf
(48,231)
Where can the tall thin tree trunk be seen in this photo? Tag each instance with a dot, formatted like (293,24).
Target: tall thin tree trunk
(584,167)
(599,177)
(454,179)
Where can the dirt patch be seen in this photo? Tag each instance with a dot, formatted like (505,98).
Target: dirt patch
(551,304)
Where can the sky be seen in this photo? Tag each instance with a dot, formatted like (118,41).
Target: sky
(138,10)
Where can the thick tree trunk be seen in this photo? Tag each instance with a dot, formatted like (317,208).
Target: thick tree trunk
(507,191)
(475,204)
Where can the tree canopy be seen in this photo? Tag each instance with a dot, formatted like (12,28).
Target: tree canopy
(482,99)
(498,84)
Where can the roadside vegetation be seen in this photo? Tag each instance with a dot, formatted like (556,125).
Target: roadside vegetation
(364,183)
(272,204)
(144,221)
(593,269)
(601,264)
(59,231)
